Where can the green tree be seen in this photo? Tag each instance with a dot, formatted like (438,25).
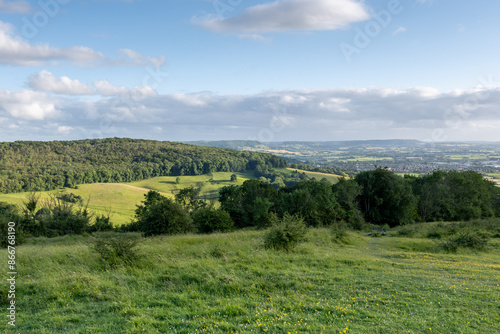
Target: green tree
(312,200)
(210,220)
(386,198)
(234,178)
(346,192)
(455,195)
(188,199)
(248,204)
(160,215)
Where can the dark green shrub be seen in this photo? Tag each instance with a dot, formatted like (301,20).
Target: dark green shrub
(218,252)
(131,227)
(116,251)
(406,231)
(339,233)
(64,219)
(355,220)
(101,224)
(211,220)
(160,215)
(434,235)
(70,198)
(9,213)
(285,233)
(465,240)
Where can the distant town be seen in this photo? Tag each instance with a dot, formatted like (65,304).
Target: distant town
(399,156)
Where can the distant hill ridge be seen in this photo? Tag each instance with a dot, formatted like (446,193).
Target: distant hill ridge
(242,144)
(38,166)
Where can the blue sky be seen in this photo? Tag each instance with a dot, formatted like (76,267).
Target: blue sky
(249,69)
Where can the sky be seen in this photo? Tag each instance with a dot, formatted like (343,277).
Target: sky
(275,70)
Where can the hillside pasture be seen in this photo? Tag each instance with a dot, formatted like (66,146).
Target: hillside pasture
(332,178)
(120,199)
(228,283)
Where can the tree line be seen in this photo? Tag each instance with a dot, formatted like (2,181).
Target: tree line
(39,166)
(377,197)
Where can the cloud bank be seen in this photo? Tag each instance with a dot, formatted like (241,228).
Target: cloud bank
(47,82)
(341,114)
(289,15)
(16,52)
(14,7)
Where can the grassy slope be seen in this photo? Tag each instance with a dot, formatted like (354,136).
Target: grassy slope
(330,177)
(122,198)
(495,177)
(226,283)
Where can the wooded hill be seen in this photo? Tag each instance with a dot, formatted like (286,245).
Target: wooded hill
(38,166)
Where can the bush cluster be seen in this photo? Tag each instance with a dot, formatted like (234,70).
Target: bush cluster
(116,251)
(210,220)
(285,233)
(465,240)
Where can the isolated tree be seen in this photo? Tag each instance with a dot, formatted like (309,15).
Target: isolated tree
(188,198)
(234,178)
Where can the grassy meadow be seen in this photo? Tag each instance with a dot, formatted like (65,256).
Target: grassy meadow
(228,283)
(318,176)
(120,199)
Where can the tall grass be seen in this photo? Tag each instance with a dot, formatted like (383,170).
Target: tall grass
(223,283)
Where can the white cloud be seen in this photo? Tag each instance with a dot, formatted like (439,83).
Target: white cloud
(64,130)
(136,59)
(18,7)
(376,112)
(106,88)
(28,105)
(47,82)
(15,51)
(289,15)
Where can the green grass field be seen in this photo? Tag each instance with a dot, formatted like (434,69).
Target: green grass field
(495,177)
(121,198)
(318,176)
(227,283)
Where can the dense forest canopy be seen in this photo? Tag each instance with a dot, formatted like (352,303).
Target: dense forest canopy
(38,166)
